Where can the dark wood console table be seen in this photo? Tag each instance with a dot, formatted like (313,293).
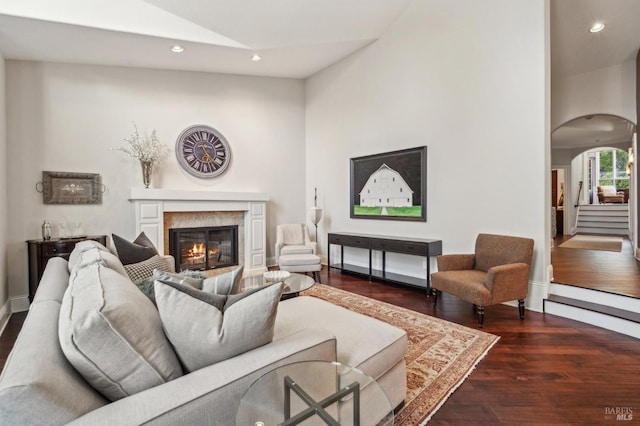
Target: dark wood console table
(40,251)
(385,244)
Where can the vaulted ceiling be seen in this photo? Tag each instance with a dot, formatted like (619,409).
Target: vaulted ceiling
(294,38)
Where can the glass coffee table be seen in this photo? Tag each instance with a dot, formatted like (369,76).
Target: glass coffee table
(293,284)
(315,393)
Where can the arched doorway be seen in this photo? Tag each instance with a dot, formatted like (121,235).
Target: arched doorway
(594,151)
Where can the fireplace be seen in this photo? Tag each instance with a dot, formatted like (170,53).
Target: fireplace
(204,248)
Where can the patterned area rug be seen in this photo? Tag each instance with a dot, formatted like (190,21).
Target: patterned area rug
(440,354)
(593,242)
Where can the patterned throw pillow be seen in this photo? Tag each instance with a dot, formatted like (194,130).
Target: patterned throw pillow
(206,328)
(142,270)
(134,251)
(192,278)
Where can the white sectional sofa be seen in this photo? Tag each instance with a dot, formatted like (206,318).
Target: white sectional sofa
(39,386)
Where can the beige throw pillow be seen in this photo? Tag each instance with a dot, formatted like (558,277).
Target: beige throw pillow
(206,328)
(112,334)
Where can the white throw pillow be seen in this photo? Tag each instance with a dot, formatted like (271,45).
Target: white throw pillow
(206,328)
(609,190)
(112,334)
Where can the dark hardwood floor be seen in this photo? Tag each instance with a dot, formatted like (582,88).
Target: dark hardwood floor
(544,370)
(613,272)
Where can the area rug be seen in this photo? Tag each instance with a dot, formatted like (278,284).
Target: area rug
(440,354)
(593,242)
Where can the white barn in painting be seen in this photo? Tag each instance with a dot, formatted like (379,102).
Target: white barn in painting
(386,188)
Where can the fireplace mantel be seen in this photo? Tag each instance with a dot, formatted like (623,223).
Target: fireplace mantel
(151,204)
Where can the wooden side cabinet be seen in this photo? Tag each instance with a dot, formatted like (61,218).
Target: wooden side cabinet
(40,251)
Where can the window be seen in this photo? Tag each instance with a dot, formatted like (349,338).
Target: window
(612,168)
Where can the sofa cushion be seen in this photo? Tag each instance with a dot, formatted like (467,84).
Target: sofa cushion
(38,386)
(92,255)
(81,247)
(366,343)
(206,328)
(226,283)
(142,270)
(134,251)
(112,334)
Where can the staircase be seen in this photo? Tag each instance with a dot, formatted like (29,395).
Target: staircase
(611,219)
(612,311)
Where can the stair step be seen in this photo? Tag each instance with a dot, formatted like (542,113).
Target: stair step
(592,224)
(618,320)
(596,307)
(607,231)
(604,214)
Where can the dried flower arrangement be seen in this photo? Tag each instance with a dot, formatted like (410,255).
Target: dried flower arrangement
(144,150)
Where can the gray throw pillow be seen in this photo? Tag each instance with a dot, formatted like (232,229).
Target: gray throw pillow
(134,251)
(227,283)
(142,270)
(192,278)
(112,334)
(206,328)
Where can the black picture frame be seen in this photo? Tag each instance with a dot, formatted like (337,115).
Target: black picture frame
(390,174)
(71,188)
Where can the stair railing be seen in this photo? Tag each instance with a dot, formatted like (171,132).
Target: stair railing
(577,206)
(579,194)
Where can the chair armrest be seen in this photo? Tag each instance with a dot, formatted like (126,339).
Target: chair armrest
(313,245)
(278,249)
(455,262)
(508,282)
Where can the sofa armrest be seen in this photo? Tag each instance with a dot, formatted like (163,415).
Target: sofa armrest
(508,282)
(212,394)
(455,262)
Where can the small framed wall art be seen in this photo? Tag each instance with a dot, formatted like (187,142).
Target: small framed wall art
(71,188)
(391,185)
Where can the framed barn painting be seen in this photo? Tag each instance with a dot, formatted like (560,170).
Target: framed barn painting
(390,186)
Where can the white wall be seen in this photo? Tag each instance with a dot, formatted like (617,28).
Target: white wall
(473,92)
(610,90)
(68,118)
(4,284)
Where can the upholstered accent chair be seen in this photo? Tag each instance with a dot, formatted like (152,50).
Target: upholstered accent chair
(293,239)
(609,194)
(497,272)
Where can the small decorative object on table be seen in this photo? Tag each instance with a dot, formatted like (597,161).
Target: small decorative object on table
(148,152)
(275,276)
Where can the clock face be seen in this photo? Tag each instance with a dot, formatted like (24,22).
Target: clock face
(203,151)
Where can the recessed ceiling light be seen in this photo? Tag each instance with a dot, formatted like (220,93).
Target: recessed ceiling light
(256,57)
(177,48)
(597,27)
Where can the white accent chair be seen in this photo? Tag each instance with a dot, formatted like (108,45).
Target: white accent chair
(295,252)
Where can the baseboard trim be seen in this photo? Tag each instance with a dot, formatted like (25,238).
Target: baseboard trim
(5,314)
(19,304)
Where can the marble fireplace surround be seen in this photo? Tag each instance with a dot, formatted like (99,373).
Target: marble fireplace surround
(155,206)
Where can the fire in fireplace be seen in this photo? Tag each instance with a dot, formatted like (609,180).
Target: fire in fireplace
(204,248)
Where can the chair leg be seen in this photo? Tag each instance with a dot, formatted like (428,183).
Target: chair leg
(480,316)
(521,308)
(434,294)
(316,276)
